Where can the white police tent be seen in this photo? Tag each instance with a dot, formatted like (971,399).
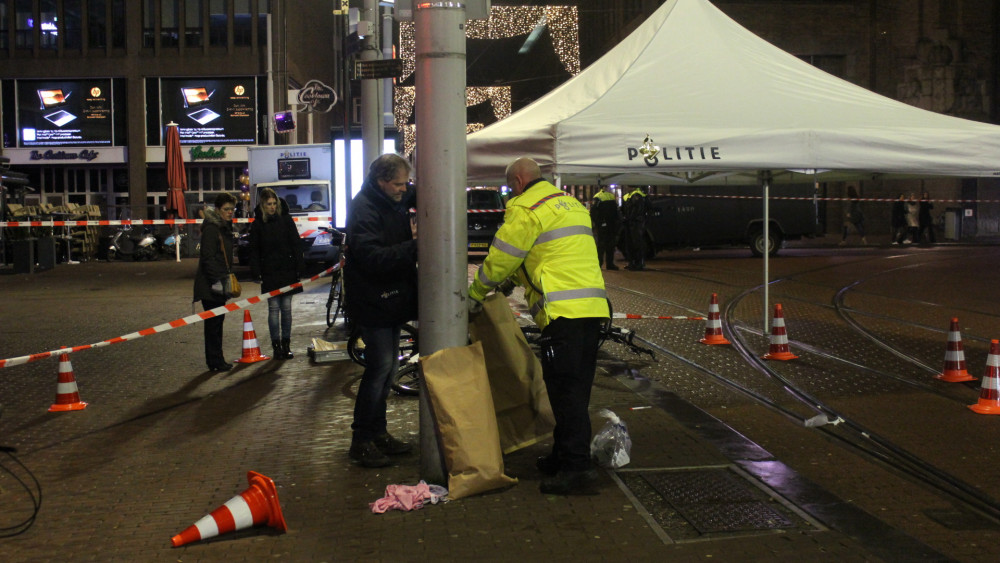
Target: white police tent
(710,98)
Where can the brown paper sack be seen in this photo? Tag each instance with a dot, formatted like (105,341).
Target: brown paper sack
(519,397)
(463,411)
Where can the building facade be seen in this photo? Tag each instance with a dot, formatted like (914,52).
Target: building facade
(87,86)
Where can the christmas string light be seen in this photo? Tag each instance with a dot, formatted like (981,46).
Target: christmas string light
(498,96)
(504,22)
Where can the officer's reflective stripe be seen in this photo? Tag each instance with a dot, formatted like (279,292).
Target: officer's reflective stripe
(509,248)
(481,276)
(561,232)
(548,197)
(567,294)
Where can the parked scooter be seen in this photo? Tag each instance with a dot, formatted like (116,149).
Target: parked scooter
(169,246)
(126,245)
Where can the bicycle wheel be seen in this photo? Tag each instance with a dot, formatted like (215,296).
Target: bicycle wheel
(407,380)
(606,327)
(335,302)
(407,345)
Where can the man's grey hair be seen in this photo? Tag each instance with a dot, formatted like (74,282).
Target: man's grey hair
(387,166)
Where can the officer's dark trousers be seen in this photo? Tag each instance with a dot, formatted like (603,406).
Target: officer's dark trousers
(569,359)
(606,240)
(636,245)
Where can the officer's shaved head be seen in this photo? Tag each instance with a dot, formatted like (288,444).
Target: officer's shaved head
(521,172)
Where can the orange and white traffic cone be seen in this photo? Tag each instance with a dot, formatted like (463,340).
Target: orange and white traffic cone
(67,393)
(779,338)
(713,324)
(255,506)
(251,349)
(989,394)
(954,357)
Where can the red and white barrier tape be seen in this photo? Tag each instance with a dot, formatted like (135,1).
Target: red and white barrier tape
(115,222)
(817,198)
(672,318)
(176,323)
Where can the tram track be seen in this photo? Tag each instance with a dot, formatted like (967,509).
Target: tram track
(821,415)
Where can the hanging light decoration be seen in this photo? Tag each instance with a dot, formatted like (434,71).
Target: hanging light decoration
(504,22)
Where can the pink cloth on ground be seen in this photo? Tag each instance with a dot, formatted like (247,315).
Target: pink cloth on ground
(402,497)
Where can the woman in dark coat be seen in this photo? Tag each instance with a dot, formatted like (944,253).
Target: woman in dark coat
(276,260)
(214,263)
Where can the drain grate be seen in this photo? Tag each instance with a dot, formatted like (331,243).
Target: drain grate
(714,501)
(699,503)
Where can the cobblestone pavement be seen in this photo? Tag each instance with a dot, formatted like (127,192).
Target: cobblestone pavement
(163,442)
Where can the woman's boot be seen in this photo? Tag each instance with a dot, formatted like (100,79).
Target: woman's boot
(286,349)
(279,353)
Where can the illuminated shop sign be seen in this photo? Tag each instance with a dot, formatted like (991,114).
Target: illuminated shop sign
(211,111)
(64,112)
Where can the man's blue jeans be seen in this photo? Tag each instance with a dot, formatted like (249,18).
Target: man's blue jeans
(381,363)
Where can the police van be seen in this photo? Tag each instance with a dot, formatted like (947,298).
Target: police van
(300,175)
(703,216)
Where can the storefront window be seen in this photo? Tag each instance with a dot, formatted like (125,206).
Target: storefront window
(218,19)
(169,23)
(149,24)
(97,21)
(242,22)
(118,24)
(24,22)
(48,24)
(193,23)
(3,25)
(72,25)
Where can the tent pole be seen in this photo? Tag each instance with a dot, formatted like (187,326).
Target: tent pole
(765,181)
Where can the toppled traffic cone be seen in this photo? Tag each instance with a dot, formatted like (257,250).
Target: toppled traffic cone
(67,393)
(255,506)
(713,324)
(251,349)
(989,394)
(954,357)
(779,338)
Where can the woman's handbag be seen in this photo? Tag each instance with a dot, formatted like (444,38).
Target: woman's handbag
(231,285)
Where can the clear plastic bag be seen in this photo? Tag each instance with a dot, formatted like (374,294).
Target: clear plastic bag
(611,446)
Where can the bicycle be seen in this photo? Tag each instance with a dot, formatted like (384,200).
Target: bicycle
(335,301)
(406,380)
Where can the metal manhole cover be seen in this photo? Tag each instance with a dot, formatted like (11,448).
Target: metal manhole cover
(702,502)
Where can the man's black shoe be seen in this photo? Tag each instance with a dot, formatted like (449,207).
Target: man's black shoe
(569,482)
(547,465)
(611,267)
(391,446)
(367,454)
(221,367)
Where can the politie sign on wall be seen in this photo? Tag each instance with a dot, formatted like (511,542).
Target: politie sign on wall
(211,111)
(64,112)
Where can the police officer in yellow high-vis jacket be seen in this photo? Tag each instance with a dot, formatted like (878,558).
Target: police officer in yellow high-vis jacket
(546,244)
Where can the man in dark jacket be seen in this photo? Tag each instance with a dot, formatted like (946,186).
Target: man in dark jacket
(214,263)
(380,285)
(605,217)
